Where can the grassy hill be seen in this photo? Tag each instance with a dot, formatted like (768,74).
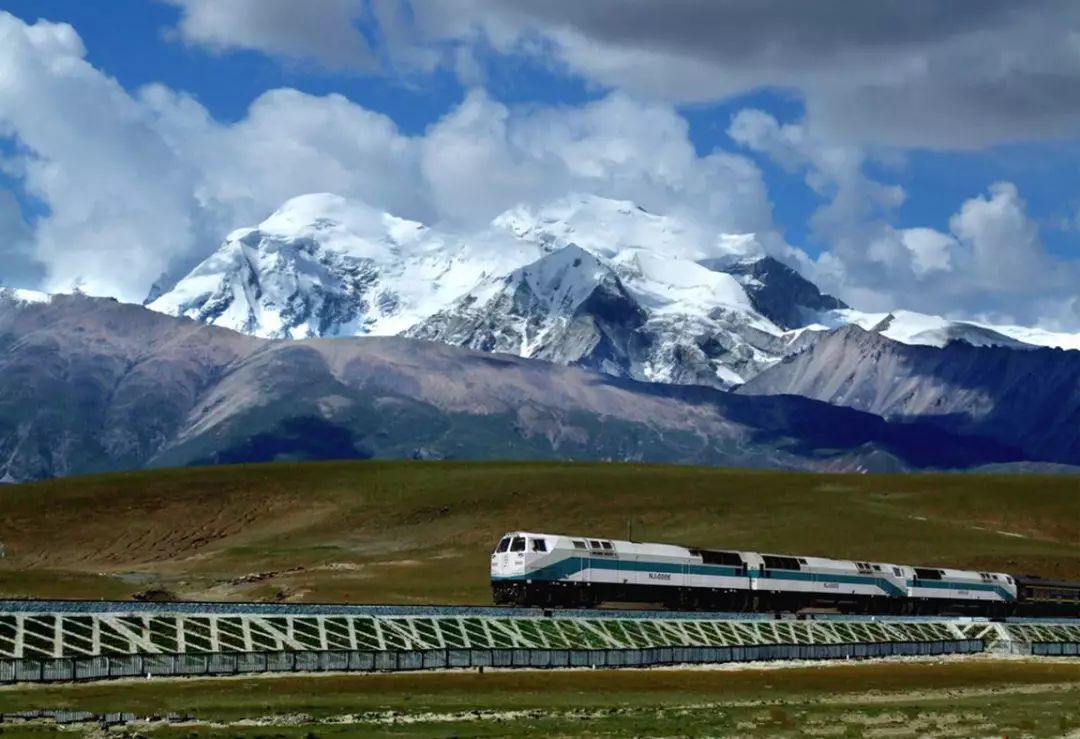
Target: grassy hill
(416,532)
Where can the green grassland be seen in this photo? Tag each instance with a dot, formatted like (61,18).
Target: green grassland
(420,532)
(908,699)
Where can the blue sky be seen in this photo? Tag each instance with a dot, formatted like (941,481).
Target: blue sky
(838,142)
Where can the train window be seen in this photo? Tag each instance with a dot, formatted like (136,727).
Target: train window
(897,572)
(802,561)
(774,562)
(579,544)
(710,557)
(503,545)
(539,545)
(877,568)
(924,573)
(518,544)
(594,544)
(607,545)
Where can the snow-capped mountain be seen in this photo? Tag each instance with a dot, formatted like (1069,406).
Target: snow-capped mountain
(920,329)
(584,280)
(634,314)
(323,265)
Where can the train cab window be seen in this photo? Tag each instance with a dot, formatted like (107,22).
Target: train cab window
(518,544)
(538,545)
(594,544)
(503,545)
(897,572)
(607,545)
(579,544)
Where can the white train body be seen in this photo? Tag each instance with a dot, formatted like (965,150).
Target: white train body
(552,569)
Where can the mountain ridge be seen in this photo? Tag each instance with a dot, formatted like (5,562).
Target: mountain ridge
(1027,399)
(94,385)
(325,266)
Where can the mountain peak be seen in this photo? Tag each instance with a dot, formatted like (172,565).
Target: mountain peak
(777,291)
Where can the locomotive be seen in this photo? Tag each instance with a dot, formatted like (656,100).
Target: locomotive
(555,570)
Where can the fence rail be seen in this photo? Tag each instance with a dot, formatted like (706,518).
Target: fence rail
(1056,649)
(159,665)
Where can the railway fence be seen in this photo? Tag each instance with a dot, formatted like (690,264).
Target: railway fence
(66,669)
(51,641)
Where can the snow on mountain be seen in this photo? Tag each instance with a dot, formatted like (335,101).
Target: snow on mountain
(605,227)
(323,265)
(620,290)
(920,329)
(635,314)
(19,295)
(584,280)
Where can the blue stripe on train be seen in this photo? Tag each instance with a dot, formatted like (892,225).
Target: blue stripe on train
(946,585)
(573,565)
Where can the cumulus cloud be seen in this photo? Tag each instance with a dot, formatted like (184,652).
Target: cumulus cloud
(323,31)
(118,193)
(910,74)
(18,266)
(926,73)
(1003,242)
(151,180)
(992,256)
(615,147)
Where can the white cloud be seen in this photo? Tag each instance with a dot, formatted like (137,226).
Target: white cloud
(150,179)
(117,191)
(930,250)
(993,257)
(908,74)
(1002,241)
(925,74)
(17,263)
(323,31)
(615,147)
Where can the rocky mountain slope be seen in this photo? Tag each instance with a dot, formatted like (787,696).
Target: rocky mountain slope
(1027,399)
(91,384)
(583,281)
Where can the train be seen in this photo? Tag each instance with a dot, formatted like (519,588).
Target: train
(560,571)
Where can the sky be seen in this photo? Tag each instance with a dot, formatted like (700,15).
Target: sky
(916,155)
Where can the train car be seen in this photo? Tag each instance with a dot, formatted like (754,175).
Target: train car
(1040,597)
(790,583)
(540,569)
(554,570)
(933,590)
